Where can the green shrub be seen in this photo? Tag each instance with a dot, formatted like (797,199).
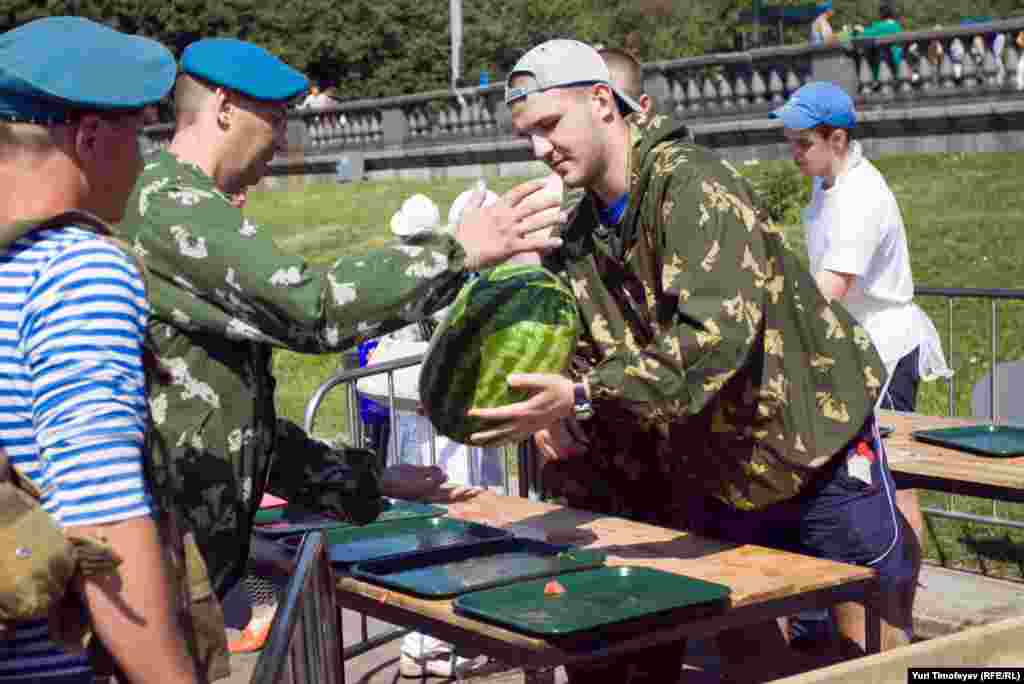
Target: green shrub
(784,190)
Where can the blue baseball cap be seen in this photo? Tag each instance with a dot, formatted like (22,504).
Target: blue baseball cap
(816,104)
(51,68)
(243,67)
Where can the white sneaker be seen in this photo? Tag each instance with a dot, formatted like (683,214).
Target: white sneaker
(443,664)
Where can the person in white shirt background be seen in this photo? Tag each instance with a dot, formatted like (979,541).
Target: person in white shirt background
(857,247)
(464,465)
(412,436)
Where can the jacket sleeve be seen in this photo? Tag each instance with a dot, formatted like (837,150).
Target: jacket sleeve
(710,268)
(214,271)
(343,482)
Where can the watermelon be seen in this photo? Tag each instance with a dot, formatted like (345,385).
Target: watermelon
(514,318)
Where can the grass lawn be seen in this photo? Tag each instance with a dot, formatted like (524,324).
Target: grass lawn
(963,215)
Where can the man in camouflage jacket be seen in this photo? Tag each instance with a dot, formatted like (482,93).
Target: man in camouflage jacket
(730,397)
(223,296)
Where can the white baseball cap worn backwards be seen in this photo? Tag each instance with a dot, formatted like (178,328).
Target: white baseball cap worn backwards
(562,64)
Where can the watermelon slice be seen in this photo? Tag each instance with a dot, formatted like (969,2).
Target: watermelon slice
(271,501)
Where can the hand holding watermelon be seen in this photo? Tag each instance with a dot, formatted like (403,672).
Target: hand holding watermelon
(492,234)
(502,347)
(551,398)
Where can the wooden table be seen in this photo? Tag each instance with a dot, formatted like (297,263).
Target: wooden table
(917,465)
(765,583)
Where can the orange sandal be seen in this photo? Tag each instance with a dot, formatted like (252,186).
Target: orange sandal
(254,635)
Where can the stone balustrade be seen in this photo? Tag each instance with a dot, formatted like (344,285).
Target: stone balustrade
(875,70)
(421,119)
(963,62)
(731,84)
(955,66)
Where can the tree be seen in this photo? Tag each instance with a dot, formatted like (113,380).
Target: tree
(374,48)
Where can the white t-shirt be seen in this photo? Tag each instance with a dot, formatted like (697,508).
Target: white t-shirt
(855,227)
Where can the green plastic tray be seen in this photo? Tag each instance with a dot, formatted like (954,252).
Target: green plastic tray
(592,598)
(349,545)
(282,521)
(997,441)
(444,573)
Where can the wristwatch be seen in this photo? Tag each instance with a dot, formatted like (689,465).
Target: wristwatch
(581,405)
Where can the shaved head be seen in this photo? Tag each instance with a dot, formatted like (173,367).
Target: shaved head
(625,70)
(24,140)
(190,94)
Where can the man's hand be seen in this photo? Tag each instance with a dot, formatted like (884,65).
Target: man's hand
(551,399)
(834,285)
(454,494)
(564,439)
(492,234)
(404,481)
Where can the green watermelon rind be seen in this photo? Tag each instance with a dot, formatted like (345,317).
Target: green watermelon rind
(486,321)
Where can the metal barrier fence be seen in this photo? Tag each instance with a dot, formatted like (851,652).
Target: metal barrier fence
(347,379)
(993,297)
(524,483)
(304,645)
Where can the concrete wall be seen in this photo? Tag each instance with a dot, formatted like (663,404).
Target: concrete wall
(997,645)
(992,126)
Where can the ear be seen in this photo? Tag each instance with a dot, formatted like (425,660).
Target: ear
(645,103)
(603,100)
(87,137)
(841,138)
(225,108)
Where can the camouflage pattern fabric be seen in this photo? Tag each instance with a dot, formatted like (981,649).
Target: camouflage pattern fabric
(715,365)
(222,297)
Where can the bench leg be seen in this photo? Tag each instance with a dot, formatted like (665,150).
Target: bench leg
(872,626)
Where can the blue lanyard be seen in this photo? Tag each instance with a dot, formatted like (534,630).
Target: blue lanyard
(612,214)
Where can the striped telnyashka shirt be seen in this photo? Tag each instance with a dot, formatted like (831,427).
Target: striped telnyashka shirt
(72,398)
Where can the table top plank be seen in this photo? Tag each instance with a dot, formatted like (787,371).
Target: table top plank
(756,575)
(944,467)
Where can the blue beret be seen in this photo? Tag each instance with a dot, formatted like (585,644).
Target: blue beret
(244,68)
(52,67)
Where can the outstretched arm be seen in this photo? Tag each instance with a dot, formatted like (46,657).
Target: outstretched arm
(204,257)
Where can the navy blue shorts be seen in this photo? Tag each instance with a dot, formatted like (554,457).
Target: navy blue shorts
(848,515)
(901,392)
